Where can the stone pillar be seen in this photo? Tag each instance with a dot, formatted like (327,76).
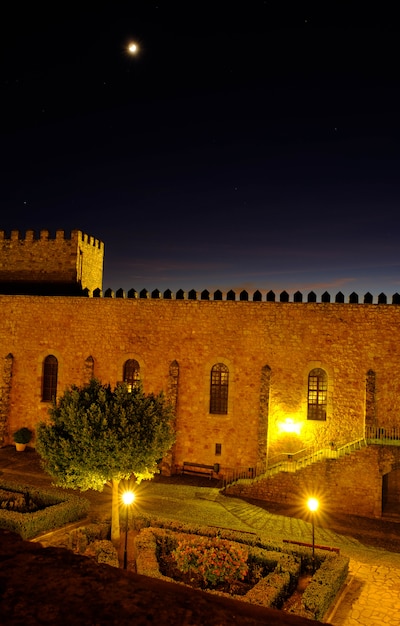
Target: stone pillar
(167,466)
(263,416)
(5,393)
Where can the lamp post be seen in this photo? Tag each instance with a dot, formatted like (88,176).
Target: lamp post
(127,498)
(313,505)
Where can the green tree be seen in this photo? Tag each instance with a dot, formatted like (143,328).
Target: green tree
(98,436)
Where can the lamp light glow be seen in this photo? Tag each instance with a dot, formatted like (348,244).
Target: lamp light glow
(133,48)
(128,497)
(289,426)
(313,504)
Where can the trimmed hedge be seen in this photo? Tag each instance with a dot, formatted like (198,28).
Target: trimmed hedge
(103,551)
(285,561)
(56,509)
(146,551)
(282,569)
(271,591)
(325,585)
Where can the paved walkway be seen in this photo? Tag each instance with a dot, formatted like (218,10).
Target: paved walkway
(371,596)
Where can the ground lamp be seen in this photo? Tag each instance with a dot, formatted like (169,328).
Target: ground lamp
(313,505)
(127,498)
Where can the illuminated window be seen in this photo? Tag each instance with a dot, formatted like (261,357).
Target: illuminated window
(219,389)
(131,373)
(317,394)
(49,382)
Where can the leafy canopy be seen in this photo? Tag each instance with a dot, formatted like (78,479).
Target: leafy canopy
(96,435)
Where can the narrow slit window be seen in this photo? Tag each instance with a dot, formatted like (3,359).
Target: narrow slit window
(50,374)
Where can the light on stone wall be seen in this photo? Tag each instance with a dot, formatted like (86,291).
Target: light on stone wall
(289,426)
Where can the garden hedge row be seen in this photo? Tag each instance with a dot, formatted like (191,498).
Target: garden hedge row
(325,585)
(59,508)
(286,560)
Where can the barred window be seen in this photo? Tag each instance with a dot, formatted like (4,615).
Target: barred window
(131,373)
(219,389)
(317,394)
(49,380)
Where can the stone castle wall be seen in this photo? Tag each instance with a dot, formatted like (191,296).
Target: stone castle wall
(350,485)
(269,348)
(46,260)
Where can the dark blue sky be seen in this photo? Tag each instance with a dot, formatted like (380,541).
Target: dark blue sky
(244,147)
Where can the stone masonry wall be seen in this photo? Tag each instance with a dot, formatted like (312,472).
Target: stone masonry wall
(286,340)
(5,391)
(59,260)
(352,484)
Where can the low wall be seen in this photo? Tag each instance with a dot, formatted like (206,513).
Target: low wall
(352,484)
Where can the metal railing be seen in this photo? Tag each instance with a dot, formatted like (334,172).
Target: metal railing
(292,462)
(311,455)
(243,473)
(384,436)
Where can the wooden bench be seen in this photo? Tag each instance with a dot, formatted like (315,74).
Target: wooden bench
(198,468)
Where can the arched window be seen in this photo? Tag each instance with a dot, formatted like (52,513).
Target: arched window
(49,384)
(219,389)
(131,373)
(317,394)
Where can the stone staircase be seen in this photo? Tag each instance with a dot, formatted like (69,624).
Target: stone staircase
(303,458)
(293,462)
(299,460)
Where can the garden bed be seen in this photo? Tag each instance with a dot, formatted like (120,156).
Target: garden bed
(29,511)
(278,576)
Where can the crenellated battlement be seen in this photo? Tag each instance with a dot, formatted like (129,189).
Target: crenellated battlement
(245,296)
(76,236)
(44,264)
(39,263)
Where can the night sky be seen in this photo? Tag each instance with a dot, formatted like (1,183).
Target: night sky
(248,145)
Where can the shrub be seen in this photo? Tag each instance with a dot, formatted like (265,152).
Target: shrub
(278,565)
(103,552)
(80,538)
(325,585)
(56,508)
(271,591)
(22,435)
(146,554)
(216,560)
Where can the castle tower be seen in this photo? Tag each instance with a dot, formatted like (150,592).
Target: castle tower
(45,266)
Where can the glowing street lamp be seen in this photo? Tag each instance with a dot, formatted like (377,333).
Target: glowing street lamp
(133,48)
(127,498)
(313,505)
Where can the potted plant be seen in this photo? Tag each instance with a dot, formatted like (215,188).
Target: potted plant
(21,437)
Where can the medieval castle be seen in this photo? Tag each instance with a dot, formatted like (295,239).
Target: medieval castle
(278,397)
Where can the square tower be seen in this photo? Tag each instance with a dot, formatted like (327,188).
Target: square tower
(46,266)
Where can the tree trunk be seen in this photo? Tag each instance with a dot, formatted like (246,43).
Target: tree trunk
(115,530)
